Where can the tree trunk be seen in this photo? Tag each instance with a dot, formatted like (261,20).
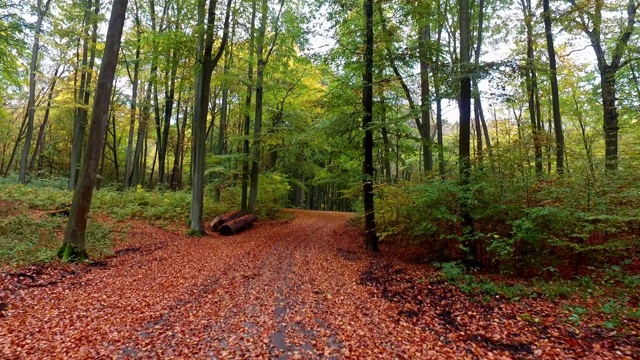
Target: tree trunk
(175,170)
(128,168)
(555,97)
(84,97)
(609,70)
(31,107)
(532,86)
(465,132)
(386,152)
(425,94)
(73,247)
(610,125)
(224,110)
(438,95)
(257,126)
(45,122)
(244,200)
(202,88)
(137,170)
(371,237)
(168,112)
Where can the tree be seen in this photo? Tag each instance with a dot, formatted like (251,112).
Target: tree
(128,168)
(371,237)
(263,60)
(41,12)
(73,246)
(246,126)
(591,24)
(84,94)
(555,97)
(531,79)
(464,151)
(204,69)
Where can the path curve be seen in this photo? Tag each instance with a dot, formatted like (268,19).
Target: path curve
(276,291)
(304,289)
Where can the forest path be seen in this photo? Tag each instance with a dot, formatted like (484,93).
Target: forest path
(302,289)
(276,290)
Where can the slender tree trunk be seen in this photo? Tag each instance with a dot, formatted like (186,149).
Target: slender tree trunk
(168,112)
(45,122)
(555,97)
(532,86)
(138,171)
(244,201)
(476,121)
(386,152)
(438,95)
(23,129)
(425,93)
(73,247)
(371,237)
(464,154)
(257,126)
(173,179)
(583,134)
(41,10)
(128,168)
(85,96)
(224,110)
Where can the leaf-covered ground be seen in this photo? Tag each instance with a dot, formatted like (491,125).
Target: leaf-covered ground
(303,289)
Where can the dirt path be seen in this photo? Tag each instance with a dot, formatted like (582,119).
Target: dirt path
(304,289)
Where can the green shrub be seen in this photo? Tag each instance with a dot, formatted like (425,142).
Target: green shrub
(273,191)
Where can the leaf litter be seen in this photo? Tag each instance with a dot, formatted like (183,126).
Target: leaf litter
(304,289)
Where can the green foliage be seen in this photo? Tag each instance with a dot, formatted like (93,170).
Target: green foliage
(428,213)
(545,227)
(99,239)
(25,239)
(273,189)
(36,197)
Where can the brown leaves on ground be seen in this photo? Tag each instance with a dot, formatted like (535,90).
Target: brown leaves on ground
(298,290)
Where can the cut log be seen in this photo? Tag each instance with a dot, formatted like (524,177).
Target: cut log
(222,219)
(237,225)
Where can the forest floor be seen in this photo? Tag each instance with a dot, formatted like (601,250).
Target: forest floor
(299,289)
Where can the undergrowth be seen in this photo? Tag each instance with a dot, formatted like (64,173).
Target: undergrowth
(29,235)
(522,227)
(615,293)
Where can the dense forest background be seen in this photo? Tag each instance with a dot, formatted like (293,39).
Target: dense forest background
(539,167)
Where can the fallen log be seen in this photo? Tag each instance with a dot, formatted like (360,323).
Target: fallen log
(237,225)
(222,219)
